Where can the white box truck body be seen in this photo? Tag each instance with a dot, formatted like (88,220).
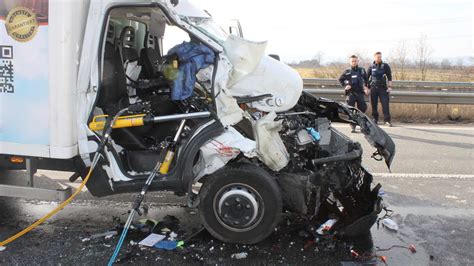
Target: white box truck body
(38,98)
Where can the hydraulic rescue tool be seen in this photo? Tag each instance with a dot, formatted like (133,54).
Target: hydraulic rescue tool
(162,167)
(98,122)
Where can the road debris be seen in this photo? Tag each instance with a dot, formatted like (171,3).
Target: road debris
(2,248)
(172,236)
(410,247)
(238,256)
(169,245)
(106,235)
(390,224)
(326,226)
(151,240)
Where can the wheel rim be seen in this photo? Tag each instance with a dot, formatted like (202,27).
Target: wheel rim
(238,207)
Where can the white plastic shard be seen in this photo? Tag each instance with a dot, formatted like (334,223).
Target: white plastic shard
(218,151)
(270,146)
(244,55)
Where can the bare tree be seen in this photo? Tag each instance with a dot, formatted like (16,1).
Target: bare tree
(319,57)
(423,55)
(445,64)
(399,60)
(460,63)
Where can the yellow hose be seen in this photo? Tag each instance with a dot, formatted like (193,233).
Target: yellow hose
(47,216)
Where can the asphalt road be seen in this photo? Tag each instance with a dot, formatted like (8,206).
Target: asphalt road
(423,149)
(430,189)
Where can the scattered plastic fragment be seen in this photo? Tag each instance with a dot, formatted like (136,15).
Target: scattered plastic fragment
(412,248)
(354,254)
(383,259)
(326,226)
(166,245)
(390,224)
(2,248)
(314,134)
(169,245)
(172,236)
(238,256)
(151,240)
(381,192)
(106,235)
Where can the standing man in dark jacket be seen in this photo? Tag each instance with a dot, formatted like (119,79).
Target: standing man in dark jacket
(354,80)
(379,73)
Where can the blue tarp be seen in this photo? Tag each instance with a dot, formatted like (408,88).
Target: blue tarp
(192,57)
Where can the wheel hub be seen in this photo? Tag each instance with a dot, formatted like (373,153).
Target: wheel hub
(238,208)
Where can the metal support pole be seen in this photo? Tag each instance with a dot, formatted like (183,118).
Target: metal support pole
(31,169)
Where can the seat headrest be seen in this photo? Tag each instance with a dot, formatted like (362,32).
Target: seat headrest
(127,37)
(149,41)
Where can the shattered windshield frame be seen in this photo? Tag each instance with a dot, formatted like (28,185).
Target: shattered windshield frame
(208,27)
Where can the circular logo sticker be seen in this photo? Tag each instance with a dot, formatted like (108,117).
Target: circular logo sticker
(21,24)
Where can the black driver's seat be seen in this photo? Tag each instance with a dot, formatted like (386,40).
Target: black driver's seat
(126,45)
(150,57)
(113,94)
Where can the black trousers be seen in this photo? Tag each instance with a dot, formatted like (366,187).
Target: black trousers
(357,97)
(377,92)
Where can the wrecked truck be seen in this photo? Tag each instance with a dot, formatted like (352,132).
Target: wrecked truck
(254,144)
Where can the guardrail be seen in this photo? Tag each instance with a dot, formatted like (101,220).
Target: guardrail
(404,91)
(422,97)
(400,85)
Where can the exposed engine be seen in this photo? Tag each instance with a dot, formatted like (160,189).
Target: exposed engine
(324,177)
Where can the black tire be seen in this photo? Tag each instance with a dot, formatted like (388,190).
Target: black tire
(239,184)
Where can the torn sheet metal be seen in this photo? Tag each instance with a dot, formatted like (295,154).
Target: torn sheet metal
(244,55)
(228,110)
(217,152)
(270,146)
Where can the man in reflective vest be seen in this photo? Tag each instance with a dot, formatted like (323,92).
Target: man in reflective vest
(354,80)
(378,74)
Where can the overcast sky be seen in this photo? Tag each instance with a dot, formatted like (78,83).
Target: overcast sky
(298,30)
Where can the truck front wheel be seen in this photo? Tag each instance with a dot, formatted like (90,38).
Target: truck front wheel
(240,203)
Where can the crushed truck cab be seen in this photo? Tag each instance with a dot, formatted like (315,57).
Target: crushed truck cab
(253,143)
